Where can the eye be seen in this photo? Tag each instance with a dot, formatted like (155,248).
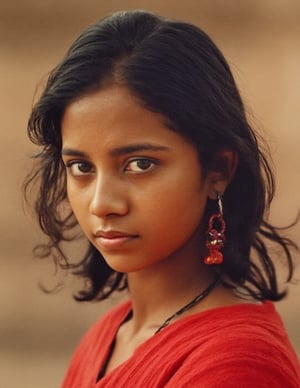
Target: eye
(79,168)
(140,165)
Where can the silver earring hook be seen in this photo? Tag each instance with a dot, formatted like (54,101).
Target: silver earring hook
(220,204)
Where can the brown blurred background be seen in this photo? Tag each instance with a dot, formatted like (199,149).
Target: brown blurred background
(261,40)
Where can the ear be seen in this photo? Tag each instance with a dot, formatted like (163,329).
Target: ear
(221,171)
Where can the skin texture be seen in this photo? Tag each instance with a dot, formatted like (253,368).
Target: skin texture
(157,197)
(138,193)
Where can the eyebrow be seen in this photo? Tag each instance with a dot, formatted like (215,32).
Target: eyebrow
(119,151)
(130,148)
(72,152)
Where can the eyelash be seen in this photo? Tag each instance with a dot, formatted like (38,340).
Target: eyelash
(152,163)
(79,164)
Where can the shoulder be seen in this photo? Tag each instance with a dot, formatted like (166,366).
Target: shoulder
(244,345)
(94,346)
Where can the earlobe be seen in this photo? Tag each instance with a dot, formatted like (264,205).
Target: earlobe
(222,172)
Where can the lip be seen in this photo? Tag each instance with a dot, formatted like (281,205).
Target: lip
(112,239)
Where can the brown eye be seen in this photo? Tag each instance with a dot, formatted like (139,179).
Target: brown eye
(78,168)
(83,167)
(140,165)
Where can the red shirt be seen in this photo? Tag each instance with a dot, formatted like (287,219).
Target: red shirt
(237,346)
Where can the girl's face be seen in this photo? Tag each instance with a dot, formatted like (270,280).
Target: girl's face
(135,187)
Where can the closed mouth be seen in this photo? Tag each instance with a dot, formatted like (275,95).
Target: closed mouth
(113,240)
(111,235)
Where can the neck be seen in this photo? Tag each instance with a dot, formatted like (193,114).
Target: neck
(156,294)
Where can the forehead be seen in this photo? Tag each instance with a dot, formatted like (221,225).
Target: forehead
(113,115)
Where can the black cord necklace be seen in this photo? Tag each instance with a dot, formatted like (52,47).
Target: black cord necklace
(191,304)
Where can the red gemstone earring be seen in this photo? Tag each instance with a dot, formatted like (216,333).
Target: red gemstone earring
(215,236)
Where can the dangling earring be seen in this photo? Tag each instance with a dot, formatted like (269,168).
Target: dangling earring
(215,238)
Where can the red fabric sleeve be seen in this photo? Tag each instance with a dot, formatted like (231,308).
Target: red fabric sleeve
(241,356)
(256,365)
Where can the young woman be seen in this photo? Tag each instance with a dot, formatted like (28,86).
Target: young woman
(145,144)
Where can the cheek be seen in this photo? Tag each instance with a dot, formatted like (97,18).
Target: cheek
(187,213)
(179,211)
(71,195)
(174,228)
(77,203)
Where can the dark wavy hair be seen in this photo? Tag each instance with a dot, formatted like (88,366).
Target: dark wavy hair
(175,69)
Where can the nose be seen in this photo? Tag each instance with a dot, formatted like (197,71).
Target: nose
(108,197)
